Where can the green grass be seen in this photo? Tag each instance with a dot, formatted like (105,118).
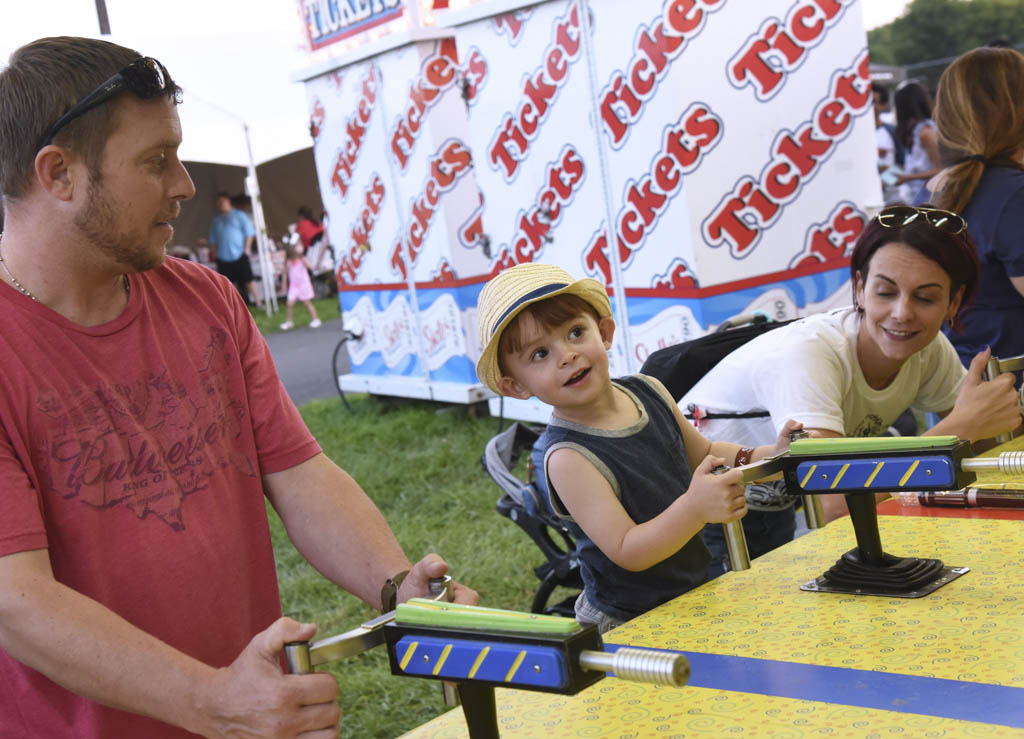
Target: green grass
(328,308)
(420,462)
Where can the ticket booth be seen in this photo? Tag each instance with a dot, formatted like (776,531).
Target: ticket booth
(701,158)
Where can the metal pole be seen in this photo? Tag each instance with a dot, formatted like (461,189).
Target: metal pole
(736,544)
(618,285)
(253,190)
(101,15)
(262,248)
(813,512)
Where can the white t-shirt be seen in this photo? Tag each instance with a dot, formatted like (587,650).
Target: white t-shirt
(917,158)
(808,371)
(886,147)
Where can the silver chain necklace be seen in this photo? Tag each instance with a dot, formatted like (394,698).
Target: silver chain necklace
(14,280)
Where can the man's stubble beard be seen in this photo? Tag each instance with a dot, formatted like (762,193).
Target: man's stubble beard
(97,222)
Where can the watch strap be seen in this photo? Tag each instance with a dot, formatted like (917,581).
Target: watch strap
(743,456)
(389,593)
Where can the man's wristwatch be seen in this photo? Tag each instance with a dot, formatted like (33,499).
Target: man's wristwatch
(389,593)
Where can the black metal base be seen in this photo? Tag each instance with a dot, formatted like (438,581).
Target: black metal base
(901,577)
(479,709)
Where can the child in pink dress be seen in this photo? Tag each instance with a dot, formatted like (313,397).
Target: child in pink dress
(300,287)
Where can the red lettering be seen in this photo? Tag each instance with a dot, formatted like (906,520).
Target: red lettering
(777,185)
(595,259)
(398,262)
(446,167)
(779,47)
(658,49)
(511,142)
(437,73)
(534,226)
(679,18)
(355,128)
(750,64)
(796,157)
(805,150)
(833,119)
(726,222)
(656,46)
(801,31)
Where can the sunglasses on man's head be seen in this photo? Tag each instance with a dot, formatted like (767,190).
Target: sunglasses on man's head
(145,77)
(897,216)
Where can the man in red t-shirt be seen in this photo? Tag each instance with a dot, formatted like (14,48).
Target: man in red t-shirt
(141,425)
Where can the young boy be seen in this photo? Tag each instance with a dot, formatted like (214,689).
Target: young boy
(629,473)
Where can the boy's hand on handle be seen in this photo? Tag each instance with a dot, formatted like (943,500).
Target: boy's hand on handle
(254,697)
(718,498)
(986,408)
(785,436)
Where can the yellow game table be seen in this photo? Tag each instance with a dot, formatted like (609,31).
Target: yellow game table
(769,659)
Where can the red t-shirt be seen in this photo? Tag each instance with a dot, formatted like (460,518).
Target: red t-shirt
(308,231)
(134,451)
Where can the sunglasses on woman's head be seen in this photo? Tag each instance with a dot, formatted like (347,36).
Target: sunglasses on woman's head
(145,77)
(897,216)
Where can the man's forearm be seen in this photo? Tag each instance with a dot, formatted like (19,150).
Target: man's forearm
(90,650)
(336,526)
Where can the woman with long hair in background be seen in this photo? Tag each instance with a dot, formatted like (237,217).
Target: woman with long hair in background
(979,114)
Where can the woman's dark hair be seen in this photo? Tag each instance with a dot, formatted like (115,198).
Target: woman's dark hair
(912,105)
(954,253)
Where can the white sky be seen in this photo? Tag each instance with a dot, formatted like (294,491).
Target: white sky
(235,59)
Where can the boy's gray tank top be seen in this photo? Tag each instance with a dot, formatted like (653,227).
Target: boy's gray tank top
(646,465)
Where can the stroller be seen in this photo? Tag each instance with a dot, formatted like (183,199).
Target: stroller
(525,504)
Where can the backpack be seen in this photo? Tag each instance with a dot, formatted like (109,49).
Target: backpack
(681,366)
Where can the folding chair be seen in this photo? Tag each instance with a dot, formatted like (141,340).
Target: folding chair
(526,505)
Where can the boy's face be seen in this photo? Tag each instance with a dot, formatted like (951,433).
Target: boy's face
(564,366)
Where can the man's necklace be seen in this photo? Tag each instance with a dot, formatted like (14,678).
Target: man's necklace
(14,280)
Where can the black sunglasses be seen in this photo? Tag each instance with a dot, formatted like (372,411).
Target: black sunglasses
(145,77)
(897,216)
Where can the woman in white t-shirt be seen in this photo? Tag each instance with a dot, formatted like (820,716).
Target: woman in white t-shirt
(853,371)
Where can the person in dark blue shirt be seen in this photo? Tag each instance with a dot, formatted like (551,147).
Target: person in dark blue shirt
(979,114)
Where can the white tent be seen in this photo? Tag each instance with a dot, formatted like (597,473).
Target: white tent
(234,59)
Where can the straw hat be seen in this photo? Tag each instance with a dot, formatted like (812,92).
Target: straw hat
(510,291)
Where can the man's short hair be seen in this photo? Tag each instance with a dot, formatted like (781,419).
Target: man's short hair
(44,79)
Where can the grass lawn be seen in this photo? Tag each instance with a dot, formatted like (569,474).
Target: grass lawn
(420,462)
(327,308)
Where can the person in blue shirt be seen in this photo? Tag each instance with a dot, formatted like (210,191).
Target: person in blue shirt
(231,237)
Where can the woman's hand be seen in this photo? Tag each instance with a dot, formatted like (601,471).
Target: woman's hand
(785,436)
(984,408)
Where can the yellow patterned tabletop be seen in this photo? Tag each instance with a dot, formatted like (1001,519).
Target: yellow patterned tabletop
(964,643)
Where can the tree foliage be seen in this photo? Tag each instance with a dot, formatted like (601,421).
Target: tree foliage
(939,29)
